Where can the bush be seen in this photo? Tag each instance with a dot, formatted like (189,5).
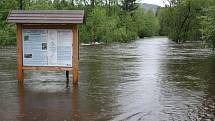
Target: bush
(100,27)
(146,23)
(8,35)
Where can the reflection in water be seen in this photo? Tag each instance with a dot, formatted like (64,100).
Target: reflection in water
(149,79)
(75,106)
(43,107)
(21,102)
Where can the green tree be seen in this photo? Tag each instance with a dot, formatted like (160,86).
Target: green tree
(129,5)
(7,31)
(180,20)
(208,26)
(41,5)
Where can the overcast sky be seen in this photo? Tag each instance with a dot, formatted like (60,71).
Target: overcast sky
(157,2)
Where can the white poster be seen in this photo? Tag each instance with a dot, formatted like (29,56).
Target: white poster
(64,47)
(52,47)
(47,47)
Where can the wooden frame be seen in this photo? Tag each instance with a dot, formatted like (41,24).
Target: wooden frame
(75,52)
(19,53)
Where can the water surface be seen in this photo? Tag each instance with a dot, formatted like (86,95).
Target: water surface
(150,79)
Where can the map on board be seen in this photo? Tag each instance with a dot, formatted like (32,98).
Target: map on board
(47,47)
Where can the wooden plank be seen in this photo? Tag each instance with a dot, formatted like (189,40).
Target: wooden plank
(47,26)
(47,68)
(45,21)
(75,54)
(46,16)
(19,52)
(49,11)
(51,18)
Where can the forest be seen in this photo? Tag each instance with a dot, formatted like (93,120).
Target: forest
(109,21)
(105,21)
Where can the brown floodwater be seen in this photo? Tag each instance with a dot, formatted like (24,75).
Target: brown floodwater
(150,79)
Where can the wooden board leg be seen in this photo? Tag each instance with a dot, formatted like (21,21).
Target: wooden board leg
(19,53)
(20,76)
(75,75)
(75,54)
(67,75)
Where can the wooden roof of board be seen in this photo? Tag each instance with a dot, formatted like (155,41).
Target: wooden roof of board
(46,16)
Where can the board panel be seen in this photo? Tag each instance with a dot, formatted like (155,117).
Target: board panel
(47,47)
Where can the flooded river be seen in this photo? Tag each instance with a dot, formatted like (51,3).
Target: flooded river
(150,79)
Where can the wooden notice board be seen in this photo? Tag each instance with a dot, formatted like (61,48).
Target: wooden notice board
(47,40)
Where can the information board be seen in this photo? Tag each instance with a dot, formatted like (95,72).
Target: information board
(47,47)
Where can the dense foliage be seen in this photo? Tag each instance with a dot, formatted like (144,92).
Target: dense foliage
(188,20)
(106,20)
(7,31)
(208,26)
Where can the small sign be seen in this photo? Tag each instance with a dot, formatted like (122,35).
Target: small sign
(47,47)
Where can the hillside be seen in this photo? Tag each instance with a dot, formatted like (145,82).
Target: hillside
(150,7)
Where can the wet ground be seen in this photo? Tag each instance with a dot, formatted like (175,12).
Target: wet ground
(150,79)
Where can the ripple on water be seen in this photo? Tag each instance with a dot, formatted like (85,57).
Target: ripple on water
(149,79)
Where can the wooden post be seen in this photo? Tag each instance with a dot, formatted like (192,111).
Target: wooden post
(67,75)
(19,52)
(75,54)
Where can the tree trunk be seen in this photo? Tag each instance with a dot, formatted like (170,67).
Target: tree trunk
(92,3)
(21,4)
